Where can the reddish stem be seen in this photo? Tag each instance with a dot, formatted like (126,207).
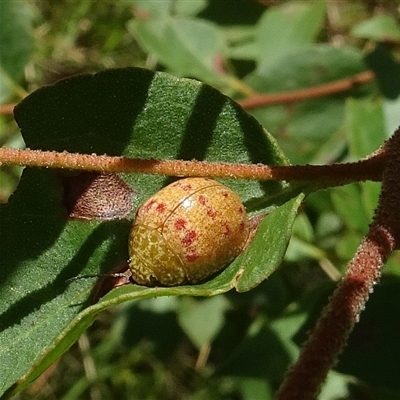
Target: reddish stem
(327,340)
(6,109)
(338,174)
(342,85)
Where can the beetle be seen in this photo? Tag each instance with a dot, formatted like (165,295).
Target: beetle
(186,232)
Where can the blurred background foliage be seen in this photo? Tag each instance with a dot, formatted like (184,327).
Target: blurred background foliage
(235,346)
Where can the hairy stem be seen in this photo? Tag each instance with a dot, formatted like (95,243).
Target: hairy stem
(335,174)
(327,340)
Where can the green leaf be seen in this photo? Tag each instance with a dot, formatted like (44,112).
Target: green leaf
(313,65)
(193,7)
(381,28)
(201,320)
(39,253)
(131,112)
(253,357)
(284,29)
(391,115)
(16,44)
(268,246)
(154,8)
(348,204)
(366,131)
(142,114)
(188,47)
(241,43)
(255,389)
(307,126)
(151,9)
(365,126)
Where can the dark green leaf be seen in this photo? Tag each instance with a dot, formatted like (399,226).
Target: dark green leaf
(386,69)
(130,112)
(139,113)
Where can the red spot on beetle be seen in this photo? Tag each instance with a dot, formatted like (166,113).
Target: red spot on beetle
(161,207)
(187,187)
(226,229)
(225,194)
(189,238)
(180,224)
(211,213)
(202,200)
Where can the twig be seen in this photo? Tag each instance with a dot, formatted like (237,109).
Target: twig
(327,340)
(335,174)
(342,85)
(6,109)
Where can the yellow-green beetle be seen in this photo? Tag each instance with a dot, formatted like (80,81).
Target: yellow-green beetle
(186,232)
